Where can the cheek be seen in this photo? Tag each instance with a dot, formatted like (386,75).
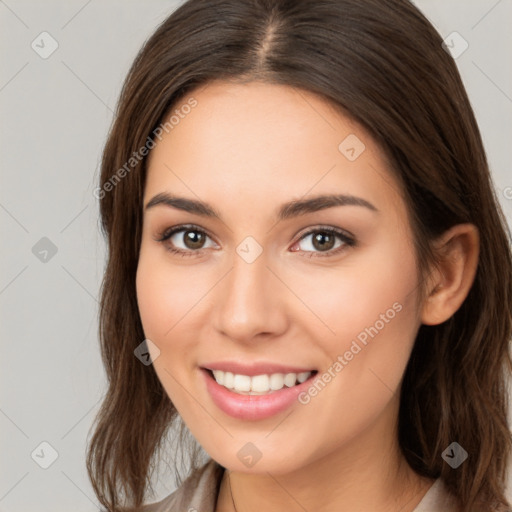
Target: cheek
(374,321)
(166,298)
(369,322)
(162,303)
(362,298)
(172,303)
(372,316)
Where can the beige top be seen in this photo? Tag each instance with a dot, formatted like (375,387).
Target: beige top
(198,493)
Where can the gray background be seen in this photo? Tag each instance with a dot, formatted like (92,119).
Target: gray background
(55,113)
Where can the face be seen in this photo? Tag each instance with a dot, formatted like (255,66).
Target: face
(306,312)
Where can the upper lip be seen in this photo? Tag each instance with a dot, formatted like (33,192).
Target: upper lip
(259,368)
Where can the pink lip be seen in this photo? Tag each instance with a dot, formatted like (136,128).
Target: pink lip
(253,407)
(263,368)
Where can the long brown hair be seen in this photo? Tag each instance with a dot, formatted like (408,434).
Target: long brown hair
(382,63)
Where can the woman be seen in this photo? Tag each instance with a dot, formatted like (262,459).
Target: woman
(308,269)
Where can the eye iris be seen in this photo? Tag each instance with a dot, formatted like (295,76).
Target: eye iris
(193,239)
(319,239)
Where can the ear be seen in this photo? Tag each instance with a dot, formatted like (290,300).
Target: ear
(450,281)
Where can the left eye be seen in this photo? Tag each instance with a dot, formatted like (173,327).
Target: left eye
(323,240)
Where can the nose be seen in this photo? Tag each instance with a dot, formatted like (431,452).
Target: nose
(251,301)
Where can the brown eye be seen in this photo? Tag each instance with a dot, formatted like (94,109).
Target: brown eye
(193,239)
(324,240)
(184,240)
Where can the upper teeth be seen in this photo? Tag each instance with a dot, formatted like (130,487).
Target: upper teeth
(259,384)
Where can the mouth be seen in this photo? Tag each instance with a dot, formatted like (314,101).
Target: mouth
(257,396)
(263,384)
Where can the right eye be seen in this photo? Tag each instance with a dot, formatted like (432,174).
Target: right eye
(191,237)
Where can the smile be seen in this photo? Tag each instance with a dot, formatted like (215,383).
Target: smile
(258,384)
(256,396)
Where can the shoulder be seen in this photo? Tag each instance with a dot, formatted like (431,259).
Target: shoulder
(199,491)
(438,499)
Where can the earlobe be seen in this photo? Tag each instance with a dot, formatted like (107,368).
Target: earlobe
(450,282)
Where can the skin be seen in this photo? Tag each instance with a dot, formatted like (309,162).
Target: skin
(245,150)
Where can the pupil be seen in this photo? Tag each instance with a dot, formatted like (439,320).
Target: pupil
(319,239)
(193,239)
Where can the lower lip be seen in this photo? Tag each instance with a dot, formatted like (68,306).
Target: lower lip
(253,407)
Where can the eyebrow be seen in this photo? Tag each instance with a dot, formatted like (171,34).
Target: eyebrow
(288,210)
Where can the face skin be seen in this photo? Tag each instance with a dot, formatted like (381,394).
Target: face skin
(245,150)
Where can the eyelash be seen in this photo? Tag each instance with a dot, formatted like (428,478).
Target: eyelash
(163,236)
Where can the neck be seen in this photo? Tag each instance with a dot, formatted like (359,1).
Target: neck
(368,473)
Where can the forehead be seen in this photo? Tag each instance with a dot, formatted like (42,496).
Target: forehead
(265,142)
(259,115)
